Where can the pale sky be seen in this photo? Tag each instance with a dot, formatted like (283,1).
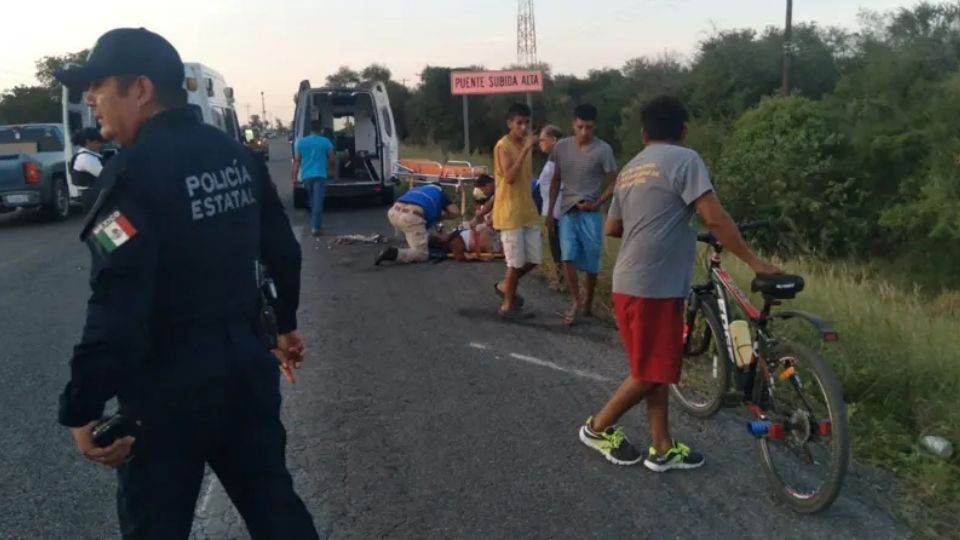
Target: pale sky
(271,45)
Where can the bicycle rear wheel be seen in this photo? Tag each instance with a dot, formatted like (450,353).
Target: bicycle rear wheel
(805,456)
(704,377)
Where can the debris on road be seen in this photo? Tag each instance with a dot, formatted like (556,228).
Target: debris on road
(348,239)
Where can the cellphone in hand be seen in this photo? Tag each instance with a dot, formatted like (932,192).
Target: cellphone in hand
(115,427)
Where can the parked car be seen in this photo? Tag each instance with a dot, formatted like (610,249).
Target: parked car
(33,169)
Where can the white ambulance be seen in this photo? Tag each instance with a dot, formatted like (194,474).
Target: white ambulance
(360,122)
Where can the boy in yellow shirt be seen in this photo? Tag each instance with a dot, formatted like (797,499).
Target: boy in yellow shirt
(515,213)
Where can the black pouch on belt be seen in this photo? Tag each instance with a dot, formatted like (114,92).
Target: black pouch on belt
(266,316)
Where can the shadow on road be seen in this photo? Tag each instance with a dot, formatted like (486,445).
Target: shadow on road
(592,331)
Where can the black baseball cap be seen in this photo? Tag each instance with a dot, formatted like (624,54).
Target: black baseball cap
(85,135)
(128,51)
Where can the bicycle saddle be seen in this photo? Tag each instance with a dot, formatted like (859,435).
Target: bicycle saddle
(778,286)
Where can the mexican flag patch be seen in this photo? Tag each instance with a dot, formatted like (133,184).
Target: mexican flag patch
(114,231)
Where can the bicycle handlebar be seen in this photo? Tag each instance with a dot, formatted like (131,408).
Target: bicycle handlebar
(708,238)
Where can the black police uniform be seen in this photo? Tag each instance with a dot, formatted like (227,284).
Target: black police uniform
(171,328)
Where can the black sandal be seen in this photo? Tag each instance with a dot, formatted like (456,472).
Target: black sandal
(514,315)
(517,299)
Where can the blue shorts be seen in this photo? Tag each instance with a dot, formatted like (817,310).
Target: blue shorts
(581,239)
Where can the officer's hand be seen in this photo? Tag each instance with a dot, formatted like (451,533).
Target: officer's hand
(111,456)
(293,347)
(289,353)
(285,365)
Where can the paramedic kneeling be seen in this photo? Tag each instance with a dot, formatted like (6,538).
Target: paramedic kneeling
(414,212)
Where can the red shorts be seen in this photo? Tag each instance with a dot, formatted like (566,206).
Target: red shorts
(651,330)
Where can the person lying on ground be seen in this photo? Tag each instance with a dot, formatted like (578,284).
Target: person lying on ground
(468,243)
(413,213)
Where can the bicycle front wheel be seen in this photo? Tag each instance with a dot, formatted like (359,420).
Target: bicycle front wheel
(704,376)
(805,457)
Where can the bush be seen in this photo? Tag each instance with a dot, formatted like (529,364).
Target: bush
(784,161)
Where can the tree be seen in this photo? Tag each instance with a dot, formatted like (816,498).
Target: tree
(735,69)
(785,161)
(344,76)
(48,65)
(645,79)
(24,104)
(434,115)
(376,72)
(399,97)
(27,104)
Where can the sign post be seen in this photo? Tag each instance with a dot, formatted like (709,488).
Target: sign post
(469,83)
(466,126)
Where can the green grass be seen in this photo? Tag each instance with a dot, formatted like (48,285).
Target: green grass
(898,359)
(437,154)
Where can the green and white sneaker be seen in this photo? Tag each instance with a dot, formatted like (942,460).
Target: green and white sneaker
(678,457)
(612,443)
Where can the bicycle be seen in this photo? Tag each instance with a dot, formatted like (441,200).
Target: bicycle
(770,376)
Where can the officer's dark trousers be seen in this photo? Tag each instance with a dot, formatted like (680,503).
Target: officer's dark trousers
(211,398)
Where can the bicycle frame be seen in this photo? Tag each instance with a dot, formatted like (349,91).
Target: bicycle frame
(723,286)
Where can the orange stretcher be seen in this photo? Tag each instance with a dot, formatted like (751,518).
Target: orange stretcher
(452,173)
(428,169)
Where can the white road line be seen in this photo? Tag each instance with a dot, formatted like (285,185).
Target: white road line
(480,346)
(547,364)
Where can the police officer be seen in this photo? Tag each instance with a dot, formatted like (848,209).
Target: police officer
(171,326)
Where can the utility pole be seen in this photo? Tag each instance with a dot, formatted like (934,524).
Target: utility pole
(263,106)
(247,107)
(787,50)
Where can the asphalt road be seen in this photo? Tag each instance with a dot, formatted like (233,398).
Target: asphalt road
(418,415)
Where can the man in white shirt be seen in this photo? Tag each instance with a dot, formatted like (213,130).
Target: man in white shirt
(549,136)
(86,165)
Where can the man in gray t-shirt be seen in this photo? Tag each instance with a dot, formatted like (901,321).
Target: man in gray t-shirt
(656,196)
(584,169)
(654,200)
